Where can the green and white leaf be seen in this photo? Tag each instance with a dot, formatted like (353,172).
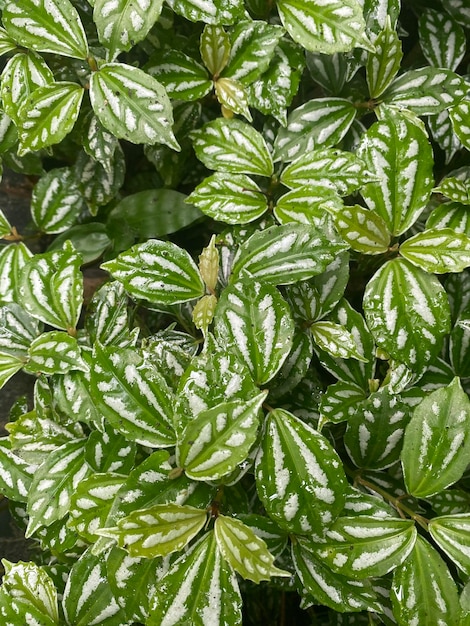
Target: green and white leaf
(437,441)
(230,145)
(51,287)
(214,48)
(423,590)
(15,473)
(181,75)
(158,530)
(364,546)
(364,230)
(383,65)
(54,352)
(132,105)
(7,43)
(210,12)
(308,205)
(339,402)
(295,367)
(459,115)
(234,198)
(426,91)
(133,396)
(109,451)
(100,144)
(219,439)
(17,330)
(451,533)
(390,150)
(336,340)
(107,316)
(321,122)
(443,133)
(48,115)
(124,23)
(438,250)
(157,271)
(233,97)
(46,26)
(299,476)
(455,189)
(5,226)
(53,484)
(407,312)
(459,10)
(186,592)
(56,201)
(286,254)
(245,551)
(332,26)
(442,39)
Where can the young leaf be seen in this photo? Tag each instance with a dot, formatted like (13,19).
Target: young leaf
(219,438)
(209,12)
(442,39)
(336,340)
(7,43)
(122,24)
(383,65)
(299,476)
(54,352)
(233,97)
(232,146)
(203,313)
(423,590)
(364,230)
(48,115)
(246,553)
(214,48)
(437,441)
(328,27)
(132,105)
(438,250)
(181,75)
(56,201)
(451,534)
(408,313)
(107,319)
(187,591)
(46,26)
(158,530)
(15,473)
(157,271)
(390,150)
(234,199)
(459,115)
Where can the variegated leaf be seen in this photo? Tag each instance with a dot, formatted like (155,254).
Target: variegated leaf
(336,340)
(451,533)
(56,202)
(455,189)
(233,198)
(54,483)
(308,205)
(209,12)
(124,23)
(438,250)
(364,546)
(233,97)
(158,530)
(46,26)
(54,352)
(390,150)
(459,116)
(383,65)
(459,10)
(214,48)
(158,271)
(107,317)
(295,366)
(254,319)
(299,476)
(100,144)
(246,553)
(339,402)
(450,215)
(437,441)
(230,145)
(423,589)
(132,104)
(443,133)
(364,230)
(7,43)
(219,438)
(133,396)
(181,75)
(109,451)
(186,592)
(17,330)
(286,254)
(407,312)
(15,473)
(274,537)
(5,226)
(332,26)
(48,115)
(51,287)
(442,39)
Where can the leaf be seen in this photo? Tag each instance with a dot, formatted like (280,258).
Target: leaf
(459,117)
(339,402)
(233,97)
(219,438)
(48,115)
(7,43)
(203,313)
(132,105)
(251,50)
(426,91)
(51,287)
(423,590)
(407,312)
(181,75)
(246,553)
(54,483)
(454,188)
(17,330)
(451,532)
(124,23)
(295,366)
(254,320)
(322,122)
(133,396)
(15,473)
(336,340)
(299,476)
(54,352)
(442,40)
(438,250)
(364,546)
(383,65)
(56,201)
(364,230)
(157,271)
(158,530)
(443,133)
(210,12)
(232,146)
(107,320)
(329,27)
(110,451)
(214,48)
(459,11)
(46,26)
(187,591)
(320,583)
(286,254)
(234,199)
(437,441)
(390,150)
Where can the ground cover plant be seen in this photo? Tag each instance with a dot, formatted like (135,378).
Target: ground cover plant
(261,415)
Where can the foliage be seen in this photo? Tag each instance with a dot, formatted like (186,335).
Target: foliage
(271,384)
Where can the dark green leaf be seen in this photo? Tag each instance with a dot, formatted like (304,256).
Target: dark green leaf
(56,201)
(15,473)
(459,115)
(383,65)
(215,48)
(442,40)
(210,12)
(54,352)
(181,75)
